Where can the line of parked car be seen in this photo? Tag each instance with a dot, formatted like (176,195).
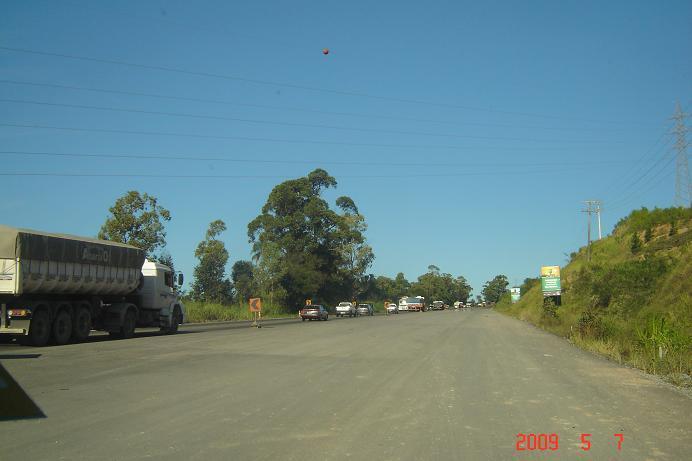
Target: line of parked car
(350,309)
(344,309)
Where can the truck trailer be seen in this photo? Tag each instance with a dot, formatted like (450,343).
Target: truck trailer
(56,287)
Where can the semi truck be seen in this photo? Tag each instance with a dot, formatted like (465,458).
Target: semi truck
(57,288)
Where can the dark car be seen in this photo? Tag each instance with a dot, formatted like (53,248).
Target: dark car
(314,312)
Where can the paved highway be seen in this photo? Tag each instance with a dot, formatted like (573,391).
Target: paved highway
(419,386)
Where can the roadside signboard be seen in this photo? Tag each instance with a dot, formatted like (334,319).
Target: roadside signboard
(515,293)
(308,302)
(550,281)
(255,305)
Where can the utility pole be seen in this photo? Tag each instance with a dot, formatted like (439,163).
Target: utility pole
(683,193)
(588,210)
(598,214)
(592,206)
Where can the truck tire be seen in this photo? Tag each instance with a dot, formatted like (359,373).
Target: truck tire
(39,329)
(127,330)
(81,326)
(129,324)
(175,322)
(62,327)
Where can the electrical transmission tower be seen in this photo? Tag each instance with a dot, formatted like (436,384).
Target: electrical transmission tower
(683,193)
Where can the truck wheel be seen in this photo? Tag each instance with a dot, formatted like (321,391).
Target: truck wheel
(175,322)
(62,327)
(129,324)
(39,329)
(127,330)
(82,325)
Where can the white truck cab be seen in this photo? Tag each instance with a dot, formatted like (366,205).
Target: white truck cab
(157,293)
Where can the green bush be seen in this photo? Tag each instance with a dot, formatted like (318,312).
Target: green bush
(640,220)
(549,309)
(663,346)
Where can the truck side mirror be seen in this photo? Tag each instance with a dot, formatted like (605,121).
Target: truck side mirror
(180,279)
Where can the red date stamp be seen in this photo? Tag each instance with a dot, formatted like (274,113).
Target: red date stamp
(551,442)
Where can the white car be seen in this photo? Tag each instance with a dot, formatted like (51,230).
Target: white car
(346,308)
(392,308)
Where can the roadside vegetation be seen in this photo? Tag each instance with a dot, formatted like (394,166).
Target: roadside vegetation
(632,302)
(200,312)
(302,249)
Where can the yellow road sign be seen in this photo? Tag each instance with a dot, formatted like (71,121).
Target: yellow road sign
(255,305)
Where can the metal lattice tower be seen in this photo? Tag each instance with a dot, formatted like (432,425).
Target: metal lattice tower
(683,193)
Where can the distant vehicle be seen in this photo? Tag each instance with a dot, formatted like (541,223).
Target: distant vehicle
(346,308)
(392,308)
(438,306)
(416,304)
(59,287)
(314,312)
(458,304)
(365,309)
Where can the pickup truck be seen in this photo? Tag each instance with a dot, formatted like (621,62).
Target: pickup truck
(346,308)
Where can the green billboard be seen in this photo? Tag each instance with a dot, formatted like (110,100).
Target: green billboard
(550,281)
(515,293)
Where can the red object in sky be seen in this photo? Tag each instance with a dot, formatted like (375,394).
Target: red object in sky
(325,50)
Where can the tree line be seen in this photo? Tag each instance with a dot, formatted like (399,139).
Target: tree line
(302,248)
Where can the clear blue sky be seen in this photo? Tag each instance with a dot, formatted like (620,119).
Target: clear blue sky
(468,133)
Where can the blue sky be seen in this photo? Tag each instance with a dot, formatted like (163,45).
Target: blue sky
(468,133)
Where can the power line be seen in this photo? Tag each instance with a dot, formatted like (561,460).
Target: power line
(621,178)
(205,158)
(280,123)
(294,86)
(622,203)
(651,168)
(241,138)
(222,176)
(652,153)
(641,190)
(286,108)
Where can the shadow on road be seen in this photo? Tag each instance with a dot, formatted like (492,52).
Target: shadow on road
(19,356)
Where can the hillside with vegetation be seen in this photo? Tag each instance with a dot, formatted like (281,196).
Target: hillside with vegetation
(631,300)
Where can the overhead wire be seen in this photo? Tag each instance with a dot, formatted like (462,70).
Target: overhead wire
(217,158)
(245,138)
(292,109)
(622,203)
(288,124)
(295,86)
(223,176)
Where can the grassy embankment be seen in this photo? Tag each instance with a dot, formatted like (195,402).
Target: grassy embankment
(632,304)
(200,312)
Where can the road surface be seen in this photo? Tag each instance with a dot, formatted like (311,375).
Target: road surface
(446,385)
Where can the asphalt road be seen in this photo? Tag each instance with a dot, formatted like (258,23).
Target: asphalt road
(447,385)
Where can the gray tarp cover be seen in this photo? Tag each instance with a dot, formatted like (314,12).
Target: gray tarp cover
(31,244)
